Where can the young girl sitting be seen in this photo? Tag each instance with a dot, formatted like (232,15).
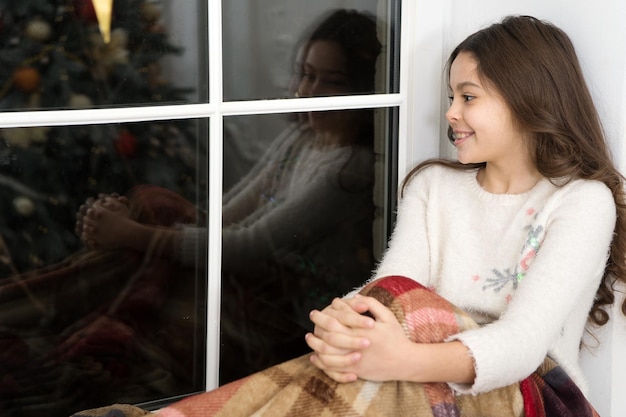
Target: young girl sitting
(497,263)
(526,232)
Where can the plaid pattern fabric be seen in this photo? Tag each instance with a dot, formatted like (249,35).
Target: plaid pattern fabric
(549,392)
(117,410)
(297,388)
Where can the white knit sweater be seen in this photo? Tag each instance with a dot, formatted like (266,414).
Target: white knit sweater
(526,266)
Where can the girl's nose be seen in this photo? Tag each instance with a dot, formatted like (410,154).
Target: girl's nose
(305,89)
(453,113)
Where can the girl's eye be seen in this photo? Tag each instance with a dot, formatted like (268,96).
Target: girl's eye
(466,98)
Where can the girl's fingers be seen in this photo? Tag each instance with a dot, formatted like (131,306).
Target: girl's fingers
(351,313)
(335,343)
(341,377)
(337,366)
(373,307)
(327,322)
(341,314)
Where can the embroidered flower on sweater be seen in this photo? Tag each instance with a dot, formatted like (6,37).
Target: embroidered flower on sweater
(502,278)
(529,251)
(531,246)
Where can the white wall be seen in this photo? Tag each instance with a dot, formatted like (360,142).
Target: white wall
(599,34)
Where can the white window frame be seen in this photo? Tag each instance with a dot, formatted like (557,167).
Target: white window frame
(418,124)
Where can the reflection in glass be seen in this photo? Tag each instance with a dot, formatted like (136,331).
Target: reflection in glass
(299,226)
(88,325)
(55,55)
(262,40)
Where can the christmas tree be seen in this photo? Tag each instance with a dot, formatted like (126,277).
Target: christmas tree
(63,347)
(68,54)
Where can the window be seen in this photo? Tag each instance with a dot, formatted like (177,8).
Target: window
(178,106)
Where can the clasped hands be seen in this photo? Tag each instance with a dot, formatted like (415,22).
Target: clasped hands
(348,344)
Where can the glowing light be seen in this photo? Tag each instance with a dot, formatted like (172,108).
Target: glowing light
(104,10)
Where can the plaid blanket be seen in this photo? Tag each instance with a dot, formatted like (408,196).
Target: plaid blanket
(297,388)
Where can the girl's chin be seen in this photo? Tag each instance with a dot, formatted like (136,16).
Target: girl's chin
(467,159)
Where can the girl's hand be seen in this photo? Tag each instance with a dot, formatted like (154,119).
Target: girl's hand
(107,224)
(113,202)
(334,339)
(382,349)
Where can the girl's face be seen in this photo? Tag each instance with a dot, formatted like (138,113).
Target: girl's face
(483,125)
(324,73)
(323,70)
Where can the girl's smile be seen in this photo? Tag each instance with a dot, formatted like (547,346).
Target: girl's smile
(460,137)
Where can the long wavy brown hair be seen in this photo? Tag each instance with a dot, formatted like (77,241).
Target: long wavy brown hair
(534,66)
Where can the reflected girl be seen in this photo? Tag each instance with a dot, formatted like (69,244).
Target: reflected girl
(298,228)
(113,324)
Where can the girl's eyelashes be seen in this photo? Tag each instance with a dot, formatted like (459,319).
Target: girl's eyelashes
(466,97)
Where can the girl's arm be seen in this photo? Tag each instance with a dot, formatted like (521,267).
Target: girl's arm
(111,228)
(336,340)
(549,309)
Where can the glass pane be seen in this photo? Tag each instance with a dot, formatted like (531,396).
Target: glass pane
(304,224)
(265,43)
(121,318)
(70,55)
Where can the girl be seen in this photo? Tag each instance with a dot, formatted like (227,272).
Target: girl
(526,232)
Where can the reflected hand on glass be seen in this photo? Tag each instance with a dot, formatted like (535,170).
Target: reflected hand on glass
(98,221)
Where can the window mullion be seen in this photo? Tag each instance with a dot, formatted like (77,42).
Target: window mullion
(237,108)
(214,221)
(101,116)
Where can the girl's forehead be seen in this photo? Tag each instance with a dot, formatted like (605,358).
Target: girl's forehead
(464,70)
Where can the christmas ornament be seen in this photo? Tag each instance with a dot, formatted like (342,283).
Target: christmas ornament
(26,79)
(38,30)
(24,206)
(151,12)
(126,144)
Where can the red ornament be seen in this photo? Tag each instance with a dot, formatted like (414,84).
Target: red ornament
(126,144)
(85,10)
(26,79)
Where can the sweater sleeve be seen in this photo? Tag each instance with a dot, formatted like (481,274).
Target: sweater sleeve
(555,294)
(409,251)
